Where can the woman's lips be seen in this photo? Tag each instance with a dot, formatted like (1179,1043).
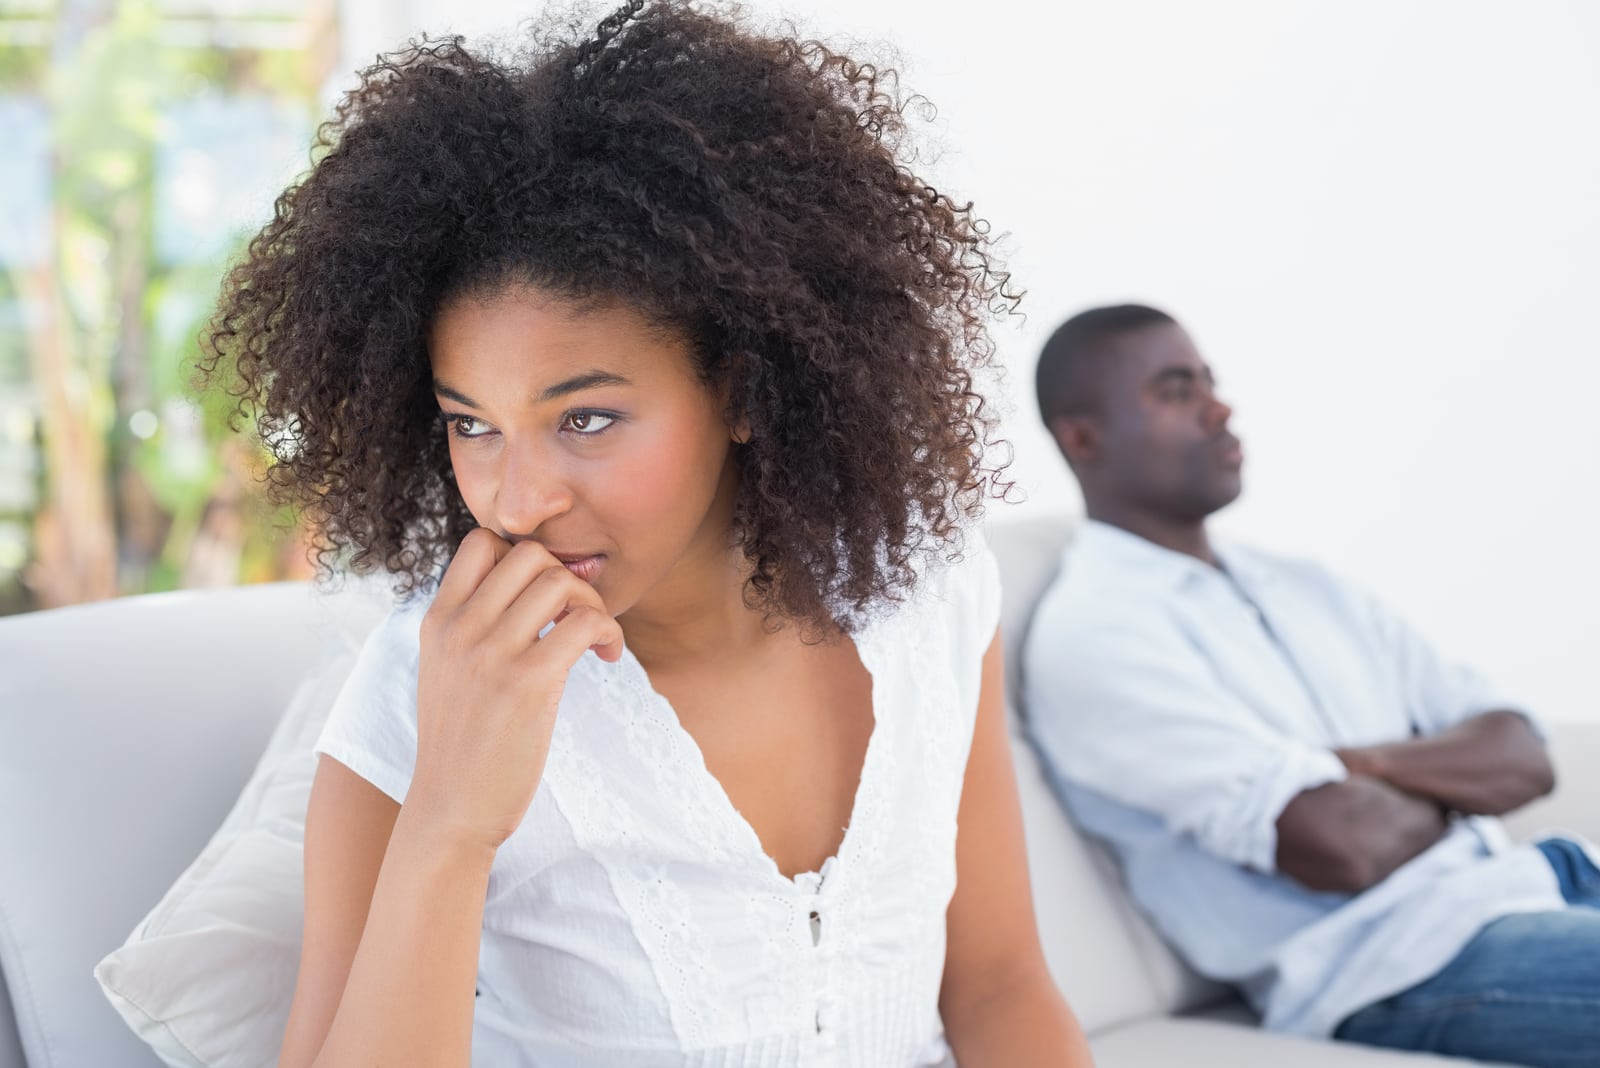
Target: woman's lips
(585,567)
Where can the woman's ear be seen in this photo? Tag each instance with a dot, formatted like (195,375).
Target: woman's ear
(738,425)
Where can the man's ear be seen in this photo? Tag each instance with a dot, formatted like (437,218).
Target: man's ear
(1078,438)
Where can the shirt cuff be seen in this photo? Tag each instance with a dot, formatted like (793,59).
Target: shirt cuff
(1295,770)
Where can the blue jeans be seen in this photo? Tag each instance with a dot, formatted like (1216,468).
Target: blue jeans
(1526,990)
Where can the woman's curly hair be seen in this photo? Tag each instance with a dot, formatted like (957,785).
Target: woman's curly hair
(755,191)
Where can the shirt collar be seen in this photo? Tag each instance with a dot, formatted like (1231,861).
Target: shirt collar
(1247,568)
(1105,549)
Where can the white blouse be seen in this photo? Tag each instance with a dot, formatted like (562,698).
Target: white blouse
(633,919)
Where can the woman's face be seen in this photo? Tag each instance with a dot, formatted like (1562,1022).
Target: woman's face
(587,429)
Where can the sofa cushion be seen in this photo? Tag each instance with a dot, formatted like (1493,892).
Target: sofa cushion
(10,1041)
(1083,920)
(126,731)
(206,977)
(1574,807)
(1065,865)
(1028,552)
(1180,1040)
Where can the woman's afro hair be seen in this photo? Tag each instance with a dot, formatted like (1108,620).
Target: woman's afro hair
(754,191)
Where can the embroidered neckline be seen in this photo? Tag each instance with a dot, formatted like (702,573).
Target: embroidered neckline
(614,724)
(738,841)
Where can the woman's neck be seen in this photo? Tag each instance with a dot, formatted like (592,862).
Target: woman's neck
(697,612)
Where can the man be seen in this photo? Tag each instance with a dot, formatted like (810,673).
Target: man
(1300,791)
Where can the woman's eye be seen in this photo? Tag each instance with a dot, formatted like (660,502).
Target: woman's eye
(465,426)
(588,422)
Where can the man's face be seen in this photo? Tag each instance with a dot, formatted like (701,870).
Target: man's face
(1165,446)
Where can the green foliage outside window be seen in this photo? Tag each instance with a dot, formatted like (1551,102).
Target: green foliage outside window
(143,141)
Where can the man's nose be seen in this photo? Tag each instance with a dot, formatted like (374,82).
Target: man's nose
(1218,412)
(531,491)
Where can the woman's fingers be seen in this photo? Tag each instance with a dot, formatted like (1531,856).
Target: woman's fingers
(546,597)
(502,595)
(475,559)
(517,569)
(488,688)
(583,627)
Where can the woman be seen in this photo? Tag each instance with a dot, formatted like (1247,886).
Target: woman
(652,338)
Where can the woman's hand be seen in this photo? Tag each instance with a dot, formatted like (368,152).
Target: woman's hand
(488,686)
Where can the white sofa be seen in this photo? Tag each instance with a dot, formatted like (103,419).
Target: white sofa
(127,729)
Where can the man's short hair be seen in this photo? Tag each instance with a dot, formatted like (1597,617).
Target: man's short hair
(1067,380)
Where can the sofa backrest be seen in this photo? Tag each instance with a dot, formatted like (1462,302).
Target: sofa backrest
(127,729)
(10,1042)
(100,702)
(1102,952)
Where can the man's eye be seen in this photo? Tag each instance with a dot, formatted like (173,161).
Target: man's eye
(587,423)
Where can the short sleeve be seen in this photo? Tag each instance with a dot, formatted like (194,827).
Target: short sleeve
(989,594)
(983,588)
(1126,707)
(957,609)
(372,726)
(969,590)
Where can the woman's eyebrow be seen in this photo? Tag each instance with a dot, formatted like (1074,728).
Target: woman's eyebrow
(575,384)
(455,395)
(578,383)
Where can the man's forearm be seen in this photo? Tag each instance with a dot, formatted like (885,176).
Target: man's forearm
(1488,765)
(1346,837)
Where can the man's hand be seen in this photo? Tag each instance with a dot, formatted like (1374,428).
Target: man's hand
(1486,766)
(1349,836)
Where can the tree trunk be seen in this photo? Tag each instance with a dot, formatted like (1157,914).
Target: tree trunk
(75,549)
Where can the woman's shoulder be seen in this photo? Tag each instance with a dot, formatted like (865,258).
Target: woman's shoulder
(399,633)
(933,646)
(372,725)
(946,623)
(959,589)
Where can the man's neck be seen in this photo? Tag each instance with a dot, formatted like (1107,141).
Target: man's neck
(1181,536)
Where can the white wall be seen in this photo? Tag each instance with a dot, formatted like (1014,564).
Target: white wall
(1381,220)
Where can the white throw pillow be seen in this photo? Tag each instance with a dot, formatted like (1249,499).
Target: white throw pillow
(207,977)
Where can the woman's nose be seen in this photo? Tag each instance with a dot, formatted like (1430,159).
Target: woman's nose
(531,492)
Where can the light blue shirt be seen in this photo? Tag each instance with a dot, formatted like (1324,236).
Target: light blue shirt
(1180,708)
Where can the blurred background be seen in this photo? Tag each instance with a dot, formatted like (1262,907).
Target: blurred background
(138,140)
(1379,218)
